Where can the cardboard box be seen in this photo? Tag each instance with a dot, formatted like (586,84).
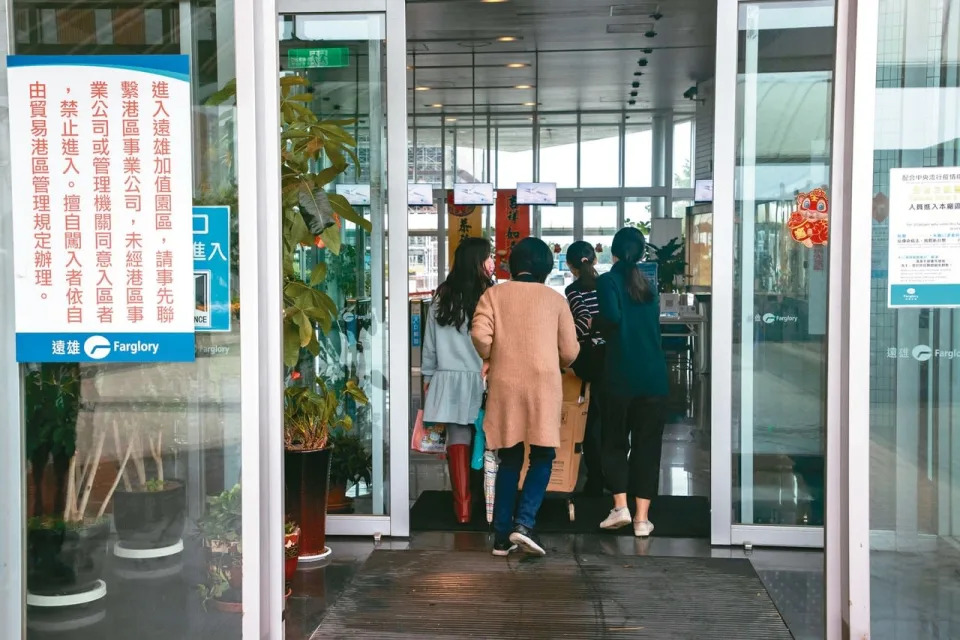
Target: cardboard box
(573,426)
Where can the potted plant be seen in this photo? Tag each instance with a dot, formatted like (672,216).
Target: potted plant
(149,511)
(671,264)
(291,550)
(351,463)
(220,533)
(65,546)
(311,413)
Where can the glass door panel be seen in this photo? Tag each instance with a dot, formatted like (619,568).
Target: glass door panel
(333,71)
(557,230)
(781,268)
(599,226)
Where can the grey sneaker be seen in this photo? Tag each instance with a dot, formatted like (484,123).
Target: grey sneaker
(618,518)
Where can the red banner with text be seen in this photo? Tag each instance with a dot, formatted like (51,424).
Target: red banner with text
(513,225)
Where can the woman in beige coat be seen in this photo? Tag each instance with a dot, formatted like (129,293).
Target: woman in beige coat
(524,332)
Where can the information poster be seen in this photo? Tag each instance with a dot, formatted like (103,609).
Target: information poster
(463,221)
(924,240)
(513,225)
(211,268)
(103,233)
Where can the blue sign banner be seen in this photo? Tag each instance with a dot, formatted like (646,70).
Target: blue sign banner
(649,269)
(211,268)
(415,331)
(105,347)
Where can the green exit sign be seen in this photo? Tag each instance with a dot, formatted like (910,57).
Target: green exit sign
(326,58)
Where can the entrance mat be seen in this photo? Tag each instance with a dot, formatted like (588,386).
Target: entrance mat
(451,594)
(673,516)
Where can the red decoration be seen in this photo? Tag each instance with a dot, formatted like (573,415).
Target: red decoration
(557,248)
(809,224)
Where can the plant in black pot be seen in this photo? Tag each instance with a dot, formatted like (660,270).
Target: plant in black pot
(66,545)
(351,462)
(149,509)
(311,413)
(221,535)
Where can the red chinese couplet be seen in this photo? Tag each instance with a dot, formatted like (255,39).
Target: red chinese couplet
(513,225)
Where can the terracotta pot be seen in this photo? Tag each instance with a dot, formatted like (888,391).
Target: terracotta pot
(307,475)
(337,500)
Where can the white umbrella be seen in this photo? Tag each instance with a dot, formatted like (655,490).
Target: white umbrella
(489,481)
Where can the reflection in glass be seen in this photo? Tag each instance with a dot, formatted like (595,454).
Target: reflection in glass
(556,229)
(914,396)
(780,279)
(558,156)
(514,156)
(600,156)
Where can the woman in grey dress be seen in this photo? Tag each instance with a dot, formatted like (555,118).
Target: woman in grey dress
(453,384)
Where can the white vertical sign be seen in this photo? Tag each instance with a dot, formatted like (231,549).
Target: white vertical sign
(103,208)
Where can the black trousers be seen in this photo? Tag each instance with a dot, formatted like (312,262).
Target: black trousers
(592,451)
(632,441)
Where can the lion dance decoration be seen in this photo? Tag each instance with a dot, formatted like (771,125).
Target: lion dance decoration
(809,224)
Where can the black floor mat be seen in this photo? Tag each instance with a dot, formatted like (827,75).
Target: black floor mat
(673,516)
(449,594)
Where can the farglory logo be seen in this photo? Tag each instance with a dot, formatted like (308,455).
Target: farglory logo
(922,353)
(96,347)
(771,318)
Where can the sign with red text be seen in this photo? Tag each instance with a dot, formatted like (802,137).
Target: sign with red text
(513,225)
(102,212)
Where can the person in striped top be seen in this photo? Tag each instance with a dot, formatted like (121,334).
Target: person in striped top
(582,298)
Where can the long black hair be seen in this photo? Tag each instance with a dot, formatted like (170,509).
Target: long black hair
(581,256)
(629,245)
(457,297)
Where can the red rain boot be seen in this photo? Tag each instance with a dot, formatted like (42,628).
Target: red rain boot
(458,458)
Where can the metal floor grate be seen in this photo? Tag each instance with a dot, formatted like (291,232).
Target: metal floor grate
(450,594)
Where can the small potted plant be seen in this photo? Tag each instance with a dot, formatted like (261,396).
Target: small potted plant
(220,532)
(149,511)
(351,463)
(66,545)
(311,412)
(291,549)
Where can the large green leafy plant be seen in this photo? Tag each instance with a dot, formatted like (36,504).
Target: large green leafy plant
(313,154)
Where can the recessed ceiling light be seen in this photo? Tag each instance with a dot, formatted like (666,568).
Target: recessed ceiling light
(517,65)
(422,89)
(451,119)
(492,1)
(523,86)
(409,67)
(529,104)
(507,39)
(436,106)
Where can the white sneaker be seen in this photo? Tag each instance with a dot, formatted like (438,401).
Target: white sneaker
(642,528)
(618,518)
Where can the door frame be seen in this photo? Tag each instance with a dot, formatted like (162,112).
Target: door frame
(257,66)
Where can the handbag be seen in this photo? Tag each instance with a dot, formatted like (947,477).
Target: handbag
(589,364)
(479,438)
(428,439)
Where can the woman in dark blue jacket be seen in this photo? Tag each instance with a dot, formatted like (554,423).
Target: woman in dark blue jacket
(634,384)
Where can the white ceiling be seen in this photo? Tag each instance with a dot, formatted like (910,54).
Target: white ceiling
(582,54)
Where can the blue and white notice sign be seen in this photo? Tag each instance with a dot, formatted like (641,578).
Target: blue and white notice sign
(211,268)
(102,224)
(924,237)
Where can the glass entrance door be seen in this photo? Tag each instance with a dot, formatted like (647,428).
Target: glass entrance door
(592,219)
(779,283)
(342,314)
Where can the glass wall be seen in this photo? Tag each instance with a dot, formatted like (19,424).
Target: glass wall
(784,110)
(914,324)
(130,465)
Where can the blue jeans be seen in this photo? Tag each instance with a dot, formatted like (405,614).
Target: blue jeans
(534,487)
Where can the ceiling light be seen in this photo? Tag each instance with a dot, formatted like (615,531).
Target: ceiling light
(643,62)
(507,39)
(650,34)
(517,65)
(437,105)
(635,84)
(632,102)
(422,89)
(451,119)
(638,73)
(633,94)
(492,1)
(523,86)
(656,16)
(529,104)
(647,51)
